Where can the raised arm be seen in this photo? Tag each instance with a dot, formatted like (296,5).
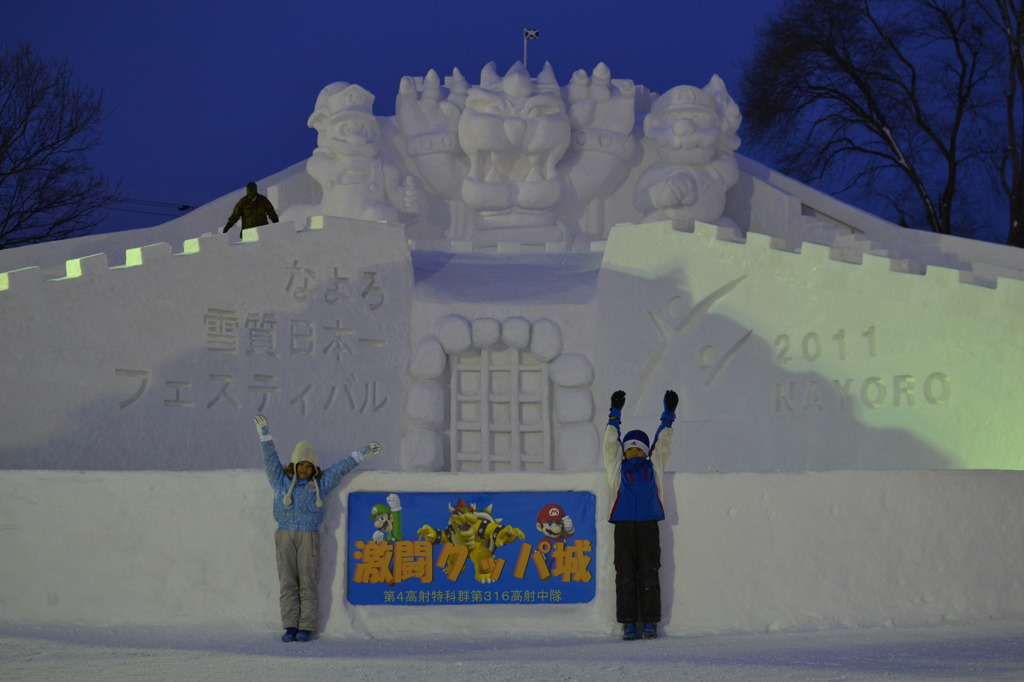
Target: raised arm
(612,446)
(333,474)
(271,462)
(661,449)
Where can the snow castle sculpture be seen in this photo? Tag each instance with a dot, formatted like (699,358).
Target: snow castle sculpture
(467,282)
(469,279)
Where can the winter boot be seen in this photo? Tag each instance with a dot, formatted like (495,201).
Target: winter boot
(302,635)
(289,635)
(650,631)
(629,631)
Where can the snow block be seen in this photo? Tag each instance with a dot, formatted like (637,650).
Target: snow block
(24,279)
(425,404)
(89,266)
(572,370)
(515,332)
(573,405)
(422,451)
(455,334)
(428,359)
(546,341)
(485,332)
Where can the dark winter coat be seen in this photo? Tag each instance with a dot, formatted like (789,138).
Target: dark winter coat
(253,212)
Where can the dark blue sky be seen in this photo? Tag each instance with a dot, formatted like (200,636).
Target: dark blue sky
(203,96)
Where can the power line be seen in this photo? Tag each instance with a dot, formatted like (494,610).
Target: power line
(133,210)
(158,204)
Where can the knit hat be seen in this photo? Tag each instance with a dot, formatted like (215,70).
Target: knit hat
(303,452)
(637,439)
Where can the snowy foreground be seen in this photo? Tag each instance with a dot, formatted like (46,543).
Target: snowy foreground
(986,650)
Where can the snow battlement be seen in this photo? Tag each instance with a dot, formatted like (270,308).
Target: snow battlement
(854,248)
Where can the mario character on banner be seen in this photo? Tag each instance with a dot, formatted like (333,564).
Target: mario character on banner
(476,557)
(556,527)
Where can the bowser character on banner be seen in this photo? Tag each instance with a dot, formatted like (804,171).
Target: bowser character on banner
(476,530)
(387,520)
(556,526)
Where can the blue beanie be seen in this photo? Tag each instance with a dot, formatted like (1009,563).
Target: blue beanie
(636,439)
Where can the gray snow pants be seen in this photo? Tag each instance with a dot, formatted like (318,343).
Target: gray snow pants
(298,569)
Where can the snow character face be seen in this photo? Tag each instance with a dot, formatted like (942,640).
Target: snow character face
(352,139)
(345,125)
(687,133)
(514,132)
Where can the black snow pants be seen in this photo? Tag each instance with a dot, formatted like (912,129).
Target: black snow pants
(637,560)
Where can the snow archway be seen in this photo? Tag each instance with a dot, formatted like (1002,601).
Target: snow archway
(492,395)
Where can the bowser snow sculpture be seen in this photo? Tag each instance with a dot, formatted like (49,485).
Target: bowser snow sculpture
(516,158)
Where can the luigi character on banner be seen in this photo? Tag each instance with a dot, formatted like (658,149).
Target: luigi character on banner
(387,519)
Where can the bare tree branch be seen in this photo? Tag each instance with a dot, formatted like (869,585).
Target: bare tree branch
(48,124)
(885,99)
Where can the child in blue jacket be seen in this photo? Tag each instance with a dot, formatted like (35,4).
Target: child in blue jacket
(299,490)
(635,467)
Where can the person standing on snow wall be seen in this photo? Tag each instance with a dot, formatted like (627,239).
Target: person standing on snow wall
(254,209)
(635,468)
(299,510)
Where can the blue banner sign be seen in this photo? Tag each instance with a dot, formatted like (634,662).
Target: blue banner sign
(418,549)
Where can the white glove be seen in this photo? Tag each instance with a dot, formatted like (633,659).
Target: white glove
(370,449)
(263,427)
(394,503)
(378,536)
(567,525)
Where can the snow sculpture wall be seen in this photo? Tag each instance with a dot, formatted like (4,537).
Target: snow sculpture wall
(805,361)
(741,552)
(161,363)
(784,360)
(521,160)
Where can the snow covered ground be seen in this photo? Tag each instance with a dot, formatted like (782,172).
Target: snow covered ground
(989,650)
